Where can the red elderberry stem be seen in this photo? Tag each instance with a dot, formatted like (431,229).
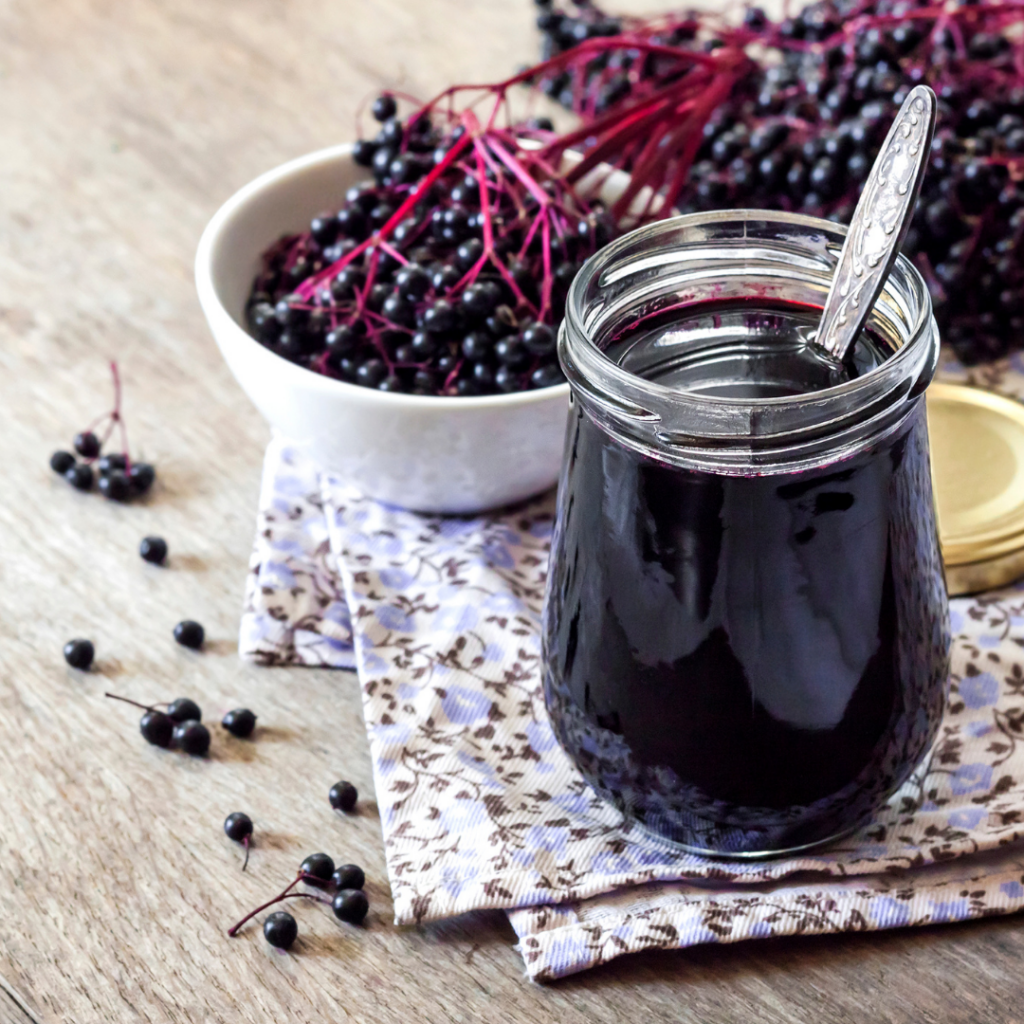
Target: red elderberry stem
(309,287)
(285,893)
(145,707)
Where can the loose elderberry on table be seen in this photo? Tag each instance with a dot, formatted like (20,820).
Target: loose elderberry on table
(791,115)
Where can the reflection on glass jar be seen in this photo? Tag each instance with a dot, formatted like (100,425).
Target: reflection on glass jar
(746,639)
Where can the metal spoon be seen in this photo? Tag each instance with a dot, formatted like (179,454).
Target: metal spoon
(879,223)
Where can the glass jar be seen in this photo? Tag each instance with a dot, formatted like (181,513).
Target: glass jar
(746,640)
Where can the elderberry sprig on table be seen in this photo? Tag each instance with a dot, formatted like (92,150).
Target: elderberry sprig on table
(343,887)
(447,273)
(120,479)
(799,109)
(179,727)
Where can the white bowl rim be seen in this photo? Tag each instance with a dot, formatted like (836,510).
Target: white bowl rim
(208,295)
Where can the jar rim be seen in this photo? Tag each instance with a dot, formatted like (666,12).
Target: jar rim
(711,257)
(598,264)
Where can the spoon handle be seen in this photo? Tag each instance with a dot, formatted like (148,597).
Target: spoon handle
(879,223)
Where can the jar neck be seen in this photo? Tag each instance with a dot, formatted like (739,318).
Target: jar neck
(679,264)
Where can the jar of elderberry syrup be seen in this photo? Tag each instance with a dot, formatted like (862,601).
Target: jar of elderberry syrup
(746,640)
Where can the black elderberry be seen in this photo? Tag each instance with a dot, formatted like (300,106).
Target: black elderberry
(412,281)
(141,477)
(479,299)
(382,163)
(115,486)
(539,339)
(423,382)
(348,876)
(239,722)
(858,166)
(502,323)
(444,279)
(371,372)
(362,195)
(341,340)
(192,737)
(339,250)
(439,318)
(469,253)
(289,311)
(363,152)
(823,176)
(392,132)
(399,310)
(183,709)
(477,345)
(324,229)
(79,654)
(280,929)
(942,220)
(564,275)
(466,387)
(61,462)
(189,634)
(444,361)
(547,376)
(483,375)
(346,282)
(406,169)
(452,224)
(153,549)
(343,796)
(320,866)
(351,223)
(405,232)
(512,353)
(290,345)
(392,382)
(87,444)
(264,323)
(384,107)
(157,728)
(238,826)
(506,379)
(80,476)
(299,271)
(350,905)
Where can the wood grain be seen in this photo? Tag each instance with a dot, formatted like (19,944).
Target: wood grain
(126,123)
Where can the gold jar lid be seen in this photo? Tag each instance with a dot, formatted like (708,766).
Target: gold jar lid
(977,451)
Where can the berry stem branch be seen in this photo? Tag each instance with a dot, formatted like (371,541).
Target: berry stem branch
(134,703)
(285,893)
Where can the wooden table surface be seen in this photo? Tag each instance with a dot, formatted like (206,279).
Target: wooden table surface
(124,124)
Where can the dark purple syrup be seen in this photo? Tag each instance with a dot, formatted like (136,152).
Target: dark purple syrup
(745,663)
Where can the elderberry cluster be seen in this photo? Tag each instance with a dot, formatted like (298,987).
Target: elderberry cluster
(343,886)
(461,296)
(180,726)
(801,133)
(119,479)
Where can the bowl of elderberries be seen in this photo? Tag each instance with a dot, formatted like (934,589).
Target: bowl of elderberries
(393,306)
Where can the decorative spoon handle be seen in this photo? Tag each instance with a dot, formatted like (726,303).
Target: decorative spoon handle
(879,223)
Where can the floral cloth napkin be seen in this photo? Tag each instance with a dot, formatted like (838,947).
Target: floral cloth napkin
(482,808)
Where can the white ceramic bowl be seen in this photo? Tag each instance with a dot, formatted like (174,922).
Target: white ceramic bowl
(418,452)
